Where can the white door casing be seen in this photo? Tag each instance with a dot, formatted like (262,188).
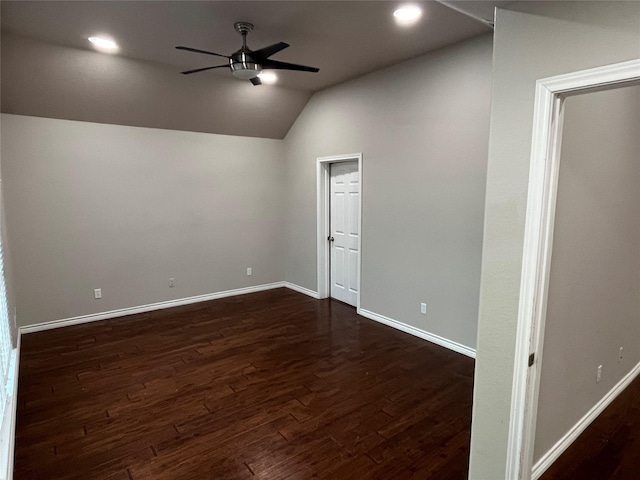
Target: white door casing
(344,231)
(323,186)
(536,258)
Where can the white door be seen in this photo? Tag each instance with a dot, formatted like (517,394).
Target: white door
(345,201)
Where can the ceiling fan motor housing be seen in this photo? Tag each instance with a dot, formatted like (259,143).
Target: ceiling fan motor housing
(243,66)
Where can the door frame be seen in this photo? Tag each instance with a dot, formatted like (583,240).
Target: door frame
(538,239)
(323,178)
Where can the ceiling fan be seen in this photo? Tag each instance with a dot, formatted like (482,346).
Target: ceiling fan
(247,64)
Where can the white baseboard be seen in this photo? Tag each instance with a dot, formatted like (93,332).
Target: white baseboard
(554,452)
(94,317)
(8,429)
(300,289)
(431,337)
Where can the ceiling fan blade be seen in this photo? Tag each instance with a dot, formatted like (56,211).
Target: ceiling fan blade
(256,81)
(203,69)
(189,49)
(266,52)
(275,65)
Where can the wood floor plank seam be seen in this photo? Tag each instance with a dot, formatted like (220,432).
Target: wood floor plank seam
(270,385)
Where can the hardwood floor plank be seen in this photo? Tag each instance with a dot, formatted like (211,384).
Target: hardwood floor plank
(609,448)
(268,385)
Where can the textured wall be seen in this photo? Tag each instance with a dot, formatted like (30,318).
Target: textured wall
(124,208)
(422,127)
(538,40)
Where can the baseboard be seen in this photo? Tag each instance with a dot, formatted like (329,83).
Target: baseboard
(8,439)
(300,289)
(552,455)
(431,337)
(94,317)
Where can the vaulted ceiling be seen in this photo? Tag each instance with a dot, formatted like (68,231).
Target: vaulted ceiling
(344,39)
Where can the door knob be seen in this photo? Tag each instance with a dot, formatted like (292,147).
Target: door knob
(331,239)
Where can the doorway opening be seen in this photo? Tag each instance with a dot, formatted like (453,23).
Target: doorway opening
(339,241)
(536,262)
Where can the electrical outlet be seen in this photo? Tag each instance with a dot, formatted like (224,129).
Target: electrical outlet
(620,355)
(423,308)
(97,293)
(172,282)
(599,374)
(249,272)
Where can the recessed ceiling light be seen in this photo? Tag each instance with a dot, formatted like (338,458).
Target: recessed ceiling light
(408,14)
(268,77)
(104,44)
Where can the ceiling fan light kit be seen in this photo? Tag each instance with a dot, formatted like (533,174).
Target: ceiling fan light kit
(243,67)
(247,64)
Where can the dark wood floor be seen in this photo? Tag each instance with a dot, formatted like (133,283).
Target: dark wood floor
(272,385)
(609,449)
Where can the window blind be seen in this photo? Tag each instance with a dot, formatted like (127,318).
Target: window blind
(8,361)
(6,343)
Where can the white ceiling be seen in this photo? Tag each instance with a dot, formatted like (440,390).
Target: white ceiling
(345,39)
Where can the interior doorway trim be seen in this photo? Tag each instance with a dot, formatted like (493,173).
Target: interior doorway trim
(323,176)
(538,238)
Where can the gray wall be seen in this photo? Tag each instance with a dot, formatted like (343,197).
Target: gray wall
(422,127)
(95,205)
(124,208)
(541,39)
(594,286)
(47,80)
